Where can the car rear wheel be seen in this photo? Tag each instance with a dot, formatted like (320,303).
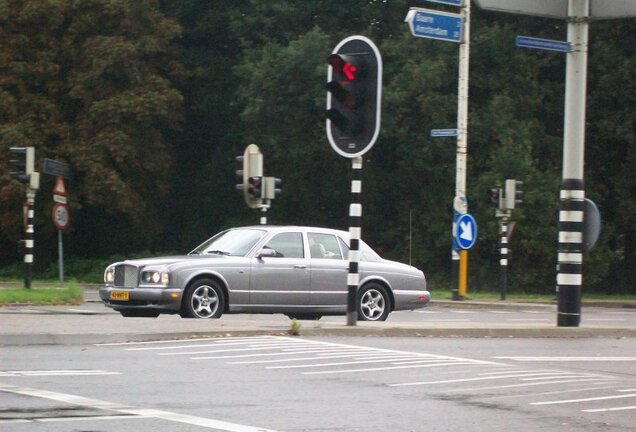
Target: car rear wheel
(373,303)
(204,299)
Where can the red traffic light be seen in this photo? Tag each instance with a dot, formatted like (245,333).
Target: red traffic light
(345,65)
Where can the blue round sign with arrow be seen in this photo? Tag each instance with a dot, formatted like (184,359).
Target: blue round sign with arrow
(465,231)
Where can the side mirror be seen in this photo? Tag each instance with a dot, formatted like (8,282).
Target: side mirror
(266,253)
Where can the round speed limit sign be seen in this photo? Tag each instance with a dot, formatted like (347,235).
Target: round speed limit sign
(61,217)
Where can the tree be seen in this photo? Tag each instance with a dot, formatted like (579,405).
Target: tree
(92,87)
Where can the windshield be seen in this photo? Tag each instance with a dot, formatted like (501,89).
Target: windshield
(236,242)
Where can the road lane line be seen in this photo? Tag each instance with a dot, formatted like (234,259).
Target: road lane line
(565,359)
(127,409)
(482,378)
(591,399)
(508,386)
(383,368)
(595,410)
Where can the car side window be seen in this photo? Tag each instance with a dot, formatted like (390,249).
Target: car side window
(324,246)
(287,245)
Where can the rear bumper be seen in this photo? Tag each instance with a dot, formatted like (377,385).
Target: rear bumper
(164,299)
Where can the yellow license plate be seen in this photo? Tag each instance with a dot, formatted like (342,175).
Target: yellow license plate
(120,295)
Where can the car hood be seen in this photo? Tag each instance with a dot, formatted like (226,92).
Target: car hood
(159,261)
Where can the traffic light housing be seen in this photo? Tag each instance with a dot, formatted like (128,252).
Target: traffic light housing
(354,90)
(494,195)
(255,187)
(252,167)
(513,194)
(271,187)
(22,164)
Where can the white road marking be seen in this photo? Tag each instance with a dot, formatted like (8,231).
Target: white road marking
(533,384)
(385,368)
(610,409)
(564,359)
(591,399)
(131,410)
(6,373)
(505,375)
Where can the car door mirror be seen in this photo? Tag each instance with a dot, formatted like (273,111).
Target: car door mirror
(267,253)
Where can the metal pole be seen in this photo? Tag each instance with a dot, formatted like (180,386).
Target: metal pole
(503,250)
(462,137)
(355,230)
(29,243)
(570,249)
(264,214)
(60,255)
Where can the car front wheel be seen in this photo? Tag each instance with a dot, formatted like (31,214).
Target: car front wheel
(204,299)
(373,303)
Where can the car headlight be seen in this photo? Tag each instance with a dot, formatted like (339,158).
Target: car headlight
(109,275)
(155,277)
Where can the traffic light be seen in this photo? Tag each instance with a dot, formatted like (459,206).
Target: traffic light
(513,193)
(354,90)
(255,187)
(271,187)
(252,168)
(494,195)
(23,165)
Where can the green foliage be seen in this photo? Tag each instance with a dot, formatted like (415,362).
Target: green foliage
(150,101)
(43,294)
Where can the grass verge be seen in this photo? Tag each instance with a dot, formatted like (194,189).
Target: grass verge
(41,293)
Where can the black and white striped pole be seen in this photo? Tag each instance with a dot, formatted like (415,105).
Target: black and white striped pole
(503,259)
(355,232)
(29,238)
(354,91)
(570,249)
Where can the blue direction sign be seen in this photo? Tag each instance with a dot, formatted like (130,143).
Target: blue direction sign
(443,133)
(449,2)
(465,231)
(544,44)
(433,24)
(56,168)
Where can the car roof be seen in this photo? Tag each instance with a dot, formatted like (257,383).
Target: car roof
(282,228)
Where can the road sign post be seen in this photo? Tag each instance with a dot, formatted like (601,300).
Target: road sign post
(451,27)
(61,220)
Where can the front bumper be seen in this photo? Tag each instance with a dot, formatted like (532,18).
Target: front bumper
(407,299)
(165,299)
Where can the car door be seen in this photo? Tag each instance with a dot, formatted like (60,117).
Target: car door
(329,268)
(282,278)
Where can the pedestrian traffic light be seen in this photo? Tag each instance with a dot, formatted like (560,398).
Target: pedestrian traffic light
(23,165)
(354,90)
(252,167)
(513,193)
(494,196)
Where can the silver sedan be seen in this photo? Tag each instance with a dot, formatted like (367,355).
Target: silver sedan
(298,271)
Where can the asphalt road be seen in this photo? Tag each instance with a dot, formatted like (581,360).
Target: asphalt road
(283,383)
(92,322)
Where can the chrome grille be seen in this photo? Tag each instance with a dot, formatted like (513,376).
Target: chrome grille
(126,276)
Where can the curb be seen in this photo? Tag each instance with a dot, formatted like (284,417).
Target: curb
(358,331)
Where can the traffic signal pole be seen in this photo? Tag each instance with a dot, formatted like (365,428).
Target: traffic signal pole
(503,250)
(29,239)
(572,208)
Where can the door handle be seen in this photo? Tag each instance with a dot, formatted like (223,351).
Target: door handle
(300,266)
